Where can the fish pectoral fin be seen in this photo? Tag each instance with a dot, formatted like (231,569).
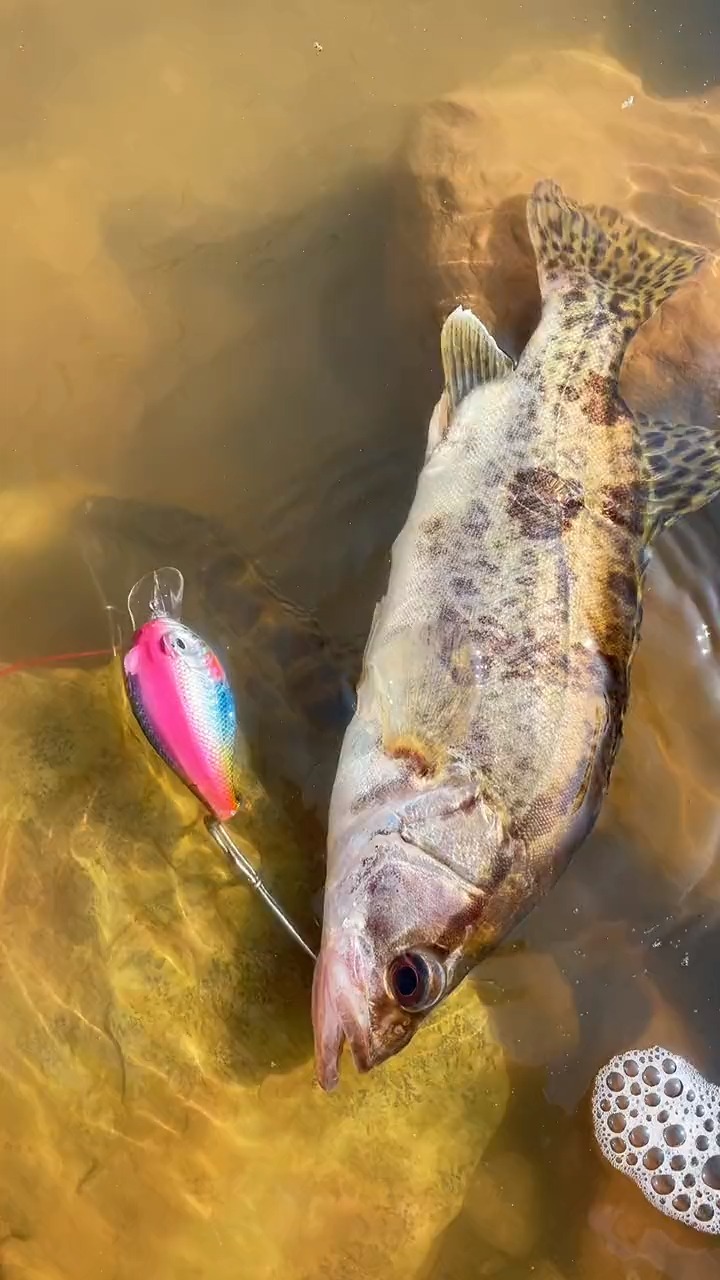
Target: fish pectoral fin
(470,356)
(418,690)
(683,464)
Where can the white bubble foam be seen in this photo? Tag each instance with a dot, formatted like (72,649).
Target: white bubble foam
(668,1141)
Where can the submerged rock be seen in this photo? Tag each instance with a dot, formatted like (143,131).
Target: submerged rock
(156,1093)
(579,117)
(503,1204)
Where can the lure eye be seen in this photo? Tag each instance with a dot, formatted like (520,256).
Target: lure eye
(416,980)
(183,644)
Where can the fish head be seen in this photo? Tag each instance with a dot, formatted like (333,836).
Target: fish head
(404,911)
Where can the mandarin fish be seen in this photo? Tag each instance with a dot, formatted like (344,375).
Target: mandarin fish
(496,674)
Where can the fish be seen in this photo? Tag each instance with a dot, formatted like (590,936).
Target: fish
(181,697)
(495,677)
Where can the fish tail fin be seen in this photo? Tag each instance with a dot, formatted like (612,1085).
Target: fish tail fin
(637,269)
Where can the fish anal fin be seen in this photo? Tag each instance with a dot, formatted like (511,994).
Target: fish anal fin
(683,465)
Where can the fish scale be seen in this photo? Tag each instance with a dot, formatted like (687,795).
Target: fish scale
(496,676)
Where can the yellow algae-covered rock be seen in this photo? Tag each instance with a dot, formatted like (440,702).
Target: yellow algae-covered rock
(157,1107)
(503,1204)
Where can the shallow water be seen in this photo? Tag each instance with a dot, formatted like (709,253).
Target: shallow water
(197,225)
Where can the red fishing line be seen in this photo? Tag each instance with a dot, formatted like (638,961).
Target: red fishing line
(54,657)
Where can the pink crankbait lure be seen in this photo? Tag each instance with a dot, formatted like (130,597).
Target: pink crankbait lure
(181,698)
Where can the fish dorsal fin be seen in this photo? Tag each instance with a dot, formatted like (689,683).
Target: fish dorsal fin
(683,464)
(470,356)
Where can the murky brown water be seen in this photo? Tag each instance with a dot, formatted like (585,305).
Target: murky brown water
(195,211)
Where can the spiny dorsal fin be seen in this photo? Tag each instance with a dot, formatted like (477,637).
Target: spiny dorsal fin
(683,465)
(470,356)
(636,267)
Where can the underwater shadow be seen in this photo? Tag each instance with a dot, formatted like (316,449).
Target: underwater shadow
(512,1216)
(273,400)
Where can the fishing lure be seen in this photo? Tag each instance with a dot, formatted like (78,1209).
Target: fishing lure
(181,697)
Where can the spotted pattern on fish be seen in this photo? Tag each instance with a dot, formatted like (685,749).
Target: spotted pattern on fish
(542,504)
(600,400)
(625,505)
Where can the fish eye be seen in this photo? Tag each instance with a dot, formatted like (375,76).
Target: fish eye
(416,980)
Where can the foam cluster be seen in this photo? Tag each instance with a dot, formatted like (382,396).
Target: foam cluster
(658,1120)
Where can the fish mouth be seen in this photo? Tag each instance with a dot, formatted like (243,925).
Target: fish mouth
(340,1015)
